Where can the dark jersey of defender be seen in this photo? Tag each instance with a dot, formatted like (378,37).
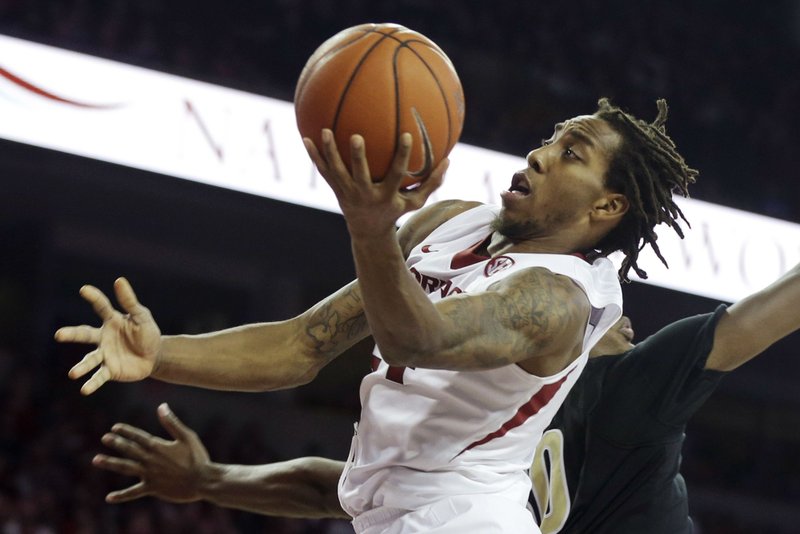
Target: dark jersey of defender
(609,463)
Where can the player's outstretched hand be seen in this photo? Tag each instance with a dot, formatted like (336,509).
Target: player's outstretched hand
(169,470)
(127,345)
(371,206)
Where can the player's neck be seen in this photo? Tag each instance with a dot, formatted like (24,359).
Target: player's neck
(497,244)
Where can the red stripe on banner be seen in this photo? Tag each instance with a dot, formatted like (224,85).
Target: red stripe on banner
(46,94)
(525,412)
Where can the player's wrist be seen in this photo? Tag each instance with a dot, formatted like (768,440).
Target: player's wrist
(161,357)
(210,478)
(373,234)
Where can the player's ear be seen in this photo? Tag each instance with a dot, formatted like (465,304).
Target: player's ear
(611,206)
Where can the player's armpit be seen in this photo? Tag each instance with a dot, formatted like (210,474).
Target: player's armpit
(535,318)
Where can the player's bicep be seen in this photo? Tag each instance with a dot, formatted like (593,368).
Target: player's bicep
(530,315)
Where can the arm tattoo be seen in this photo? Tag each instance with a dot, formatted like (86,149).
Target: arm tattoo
(524,314)
(338,323)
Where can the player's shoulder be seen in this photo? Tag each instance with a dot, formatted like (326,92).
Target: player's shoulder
(570,274)
(429,218)
(544,283)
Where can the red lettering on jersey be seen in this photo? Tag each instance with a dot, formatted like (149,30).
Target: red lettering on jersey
(427,249)
(445,288)
(430,284)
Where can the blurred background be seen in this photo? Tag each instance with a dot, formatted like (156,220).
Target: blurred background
(204,258)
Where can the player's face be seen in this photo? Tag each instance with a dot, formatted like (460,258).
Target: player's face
(563,181)
(617,340)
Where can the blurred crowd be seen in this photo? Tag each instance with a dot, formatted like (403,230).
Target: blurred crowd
(730,70)
(48,435)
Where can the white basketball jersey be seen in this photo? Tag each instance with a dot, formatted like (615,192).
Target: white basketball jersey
(425,434)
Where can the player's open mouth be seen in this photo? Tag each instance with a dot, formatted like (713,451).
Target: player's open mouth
(520,185)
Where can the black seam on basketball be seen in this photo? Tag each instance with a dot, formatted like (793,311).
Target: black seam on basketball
(404,44)
(353,76)
(395,77)
(310,68)
(438,84)
(427,163)
(429,44)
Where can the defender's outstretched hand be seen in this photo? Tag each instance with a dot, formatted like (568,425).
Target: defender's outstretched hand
(127,345)
(169,470)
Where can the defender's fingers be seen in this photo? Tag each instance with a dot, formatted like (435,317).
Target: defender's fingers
(100,377)
(145,440)
(78,334)
(130,449)
(131,493)
(87,363)
(123,466)
(127,299)
(173,425)
(102,306)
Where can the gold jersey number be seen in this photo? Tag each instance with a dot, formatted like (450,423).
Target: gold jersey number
(550,489)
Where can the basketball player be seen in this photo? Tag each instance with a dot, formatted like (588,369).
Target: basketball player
(483,319)
(613,448)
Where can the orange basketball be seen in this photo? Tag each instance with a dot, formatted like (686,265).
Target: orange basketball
(379,81)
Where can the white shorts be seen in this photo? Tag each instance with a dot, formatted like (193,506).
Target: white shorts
(461,514)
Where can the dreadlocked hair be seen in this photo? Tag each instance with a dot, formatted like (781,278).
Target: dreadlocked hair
(647,169)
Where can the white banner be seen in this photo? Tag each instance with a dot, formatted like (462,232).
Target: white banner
(197,131)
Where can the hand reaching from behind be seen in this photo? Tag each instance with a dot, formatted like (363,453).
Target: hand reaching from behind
(170,470)
(127,345)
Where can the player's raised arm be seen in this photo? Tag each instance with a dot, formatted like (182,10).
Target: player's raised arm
(533,312)
(464,332)
(180,470)
(256,357)
(753,324)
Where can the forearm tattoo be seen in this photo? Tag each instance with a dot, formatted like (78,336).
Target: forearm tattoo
(338,323)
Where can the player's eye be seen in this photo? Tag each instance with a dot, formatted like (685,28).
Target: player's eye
(546,142)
